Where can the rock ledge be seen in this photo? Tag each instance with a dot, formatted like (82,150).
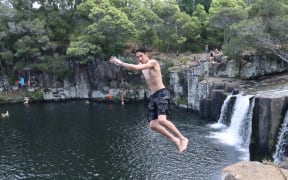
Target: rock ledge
(253,170)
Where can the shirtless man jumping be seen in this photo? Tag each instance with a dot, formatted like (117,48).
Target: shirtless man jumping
(159,100)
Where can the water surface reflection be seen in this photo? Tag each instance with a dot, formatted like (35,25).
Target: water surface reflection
(75,140)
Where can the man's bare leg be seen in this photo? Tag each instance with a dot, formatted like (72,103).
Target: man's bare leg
(170,126)
(162,124)
(156,126)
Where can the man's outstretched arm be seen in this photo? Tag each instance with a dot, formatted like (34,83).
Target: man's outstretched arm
(132,67)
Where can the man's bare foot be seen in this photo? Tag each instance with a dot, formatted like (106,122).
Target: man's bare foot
(178,144)
(183,145)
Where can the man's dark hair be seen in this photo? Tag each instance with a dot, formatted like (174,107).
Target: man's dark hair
(140,49)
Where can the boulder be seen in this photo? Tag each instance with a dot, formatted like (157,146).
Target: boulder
(253,170)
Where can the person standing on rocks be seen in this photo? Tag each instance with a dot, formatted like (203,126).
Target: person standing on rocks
(158,107)
(206,48)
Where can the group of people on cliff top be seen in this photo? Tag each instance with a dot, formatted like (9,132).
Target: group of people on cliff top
(212,58)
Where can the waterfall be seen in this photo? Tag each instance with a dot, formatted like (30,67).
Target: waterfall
(282,144)
(239,128)
(223,115)
(246,130)
(224,110)
(239,131)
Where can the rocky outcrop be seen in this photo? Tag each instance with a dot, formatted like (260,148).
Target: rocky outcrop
(252,170)
(260,65)
(267,118)
(97,81)
(226,68)
(175,85)
(62,94)
(82,85)
(250,67)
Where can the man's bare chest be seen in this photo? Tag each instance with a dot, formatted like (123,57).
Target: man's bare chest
(149,74)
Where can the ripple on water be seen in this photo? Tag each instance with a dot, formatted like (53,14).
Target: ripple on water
(150,153)
(93,145)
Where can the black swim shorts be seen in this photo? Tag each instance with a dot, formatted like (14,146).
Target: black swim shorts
(159,104)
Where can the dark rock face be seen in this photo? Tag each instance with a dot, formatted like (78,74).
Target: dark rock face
(205,106)
(103,75)
(250,67)
(260,65)
(216,102)
(267,118)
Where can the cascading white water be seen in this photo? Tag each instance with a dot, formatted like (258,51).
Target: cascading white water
(238,124)
(239,131)
(221,121)
(282,144)
(224,109)
(246,130)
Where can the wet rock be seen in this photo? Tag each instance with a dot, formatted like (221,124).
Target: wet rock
(205,108)
(266,120)
(284,164)
(250,67)
(218,85)
(260,65)
(216,103)
(252,170)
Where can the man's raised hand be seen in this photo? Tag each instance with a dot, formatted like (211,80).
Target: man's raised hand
(115,60)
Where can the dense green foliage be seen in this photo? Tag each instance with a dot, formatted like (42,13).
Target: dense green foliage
(46,35)
(263,30)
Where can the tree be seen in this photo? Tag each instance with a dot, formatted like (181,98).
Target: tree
(223,14)
(203,19)
(6,14)
(266,28)
(33,36)
(146,22)
(106,32)
(189,6)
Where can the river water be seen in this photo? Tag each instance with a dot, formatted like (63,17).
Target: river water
(74,140)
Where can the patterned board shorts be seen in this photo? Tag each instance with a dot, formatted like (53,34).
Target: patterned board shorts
(159,104)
